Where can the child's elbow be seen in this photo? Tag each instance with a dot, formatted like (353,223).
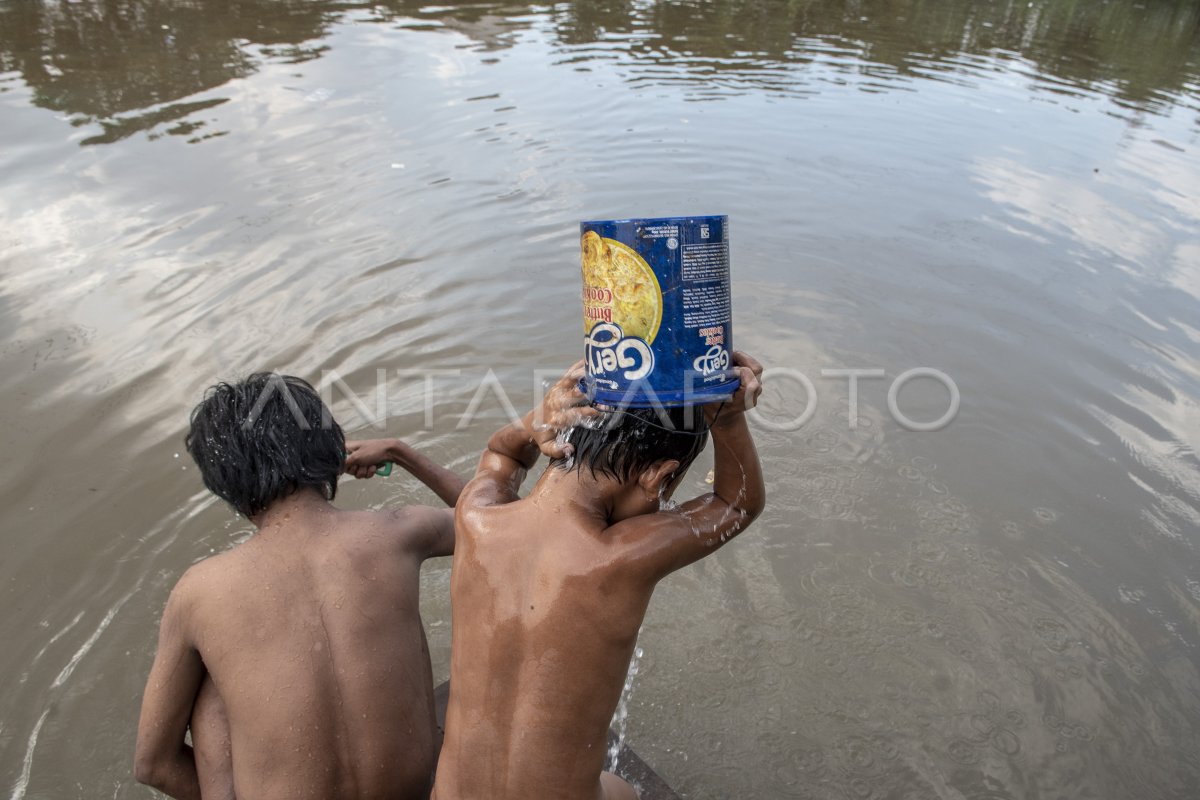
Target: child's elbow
(744,513)
(755,509)
(753,506)
(147,768)
(747,507)
(144,770)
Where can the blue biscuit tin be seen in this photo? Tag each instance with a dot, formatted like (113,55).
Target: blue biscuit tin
(656,311)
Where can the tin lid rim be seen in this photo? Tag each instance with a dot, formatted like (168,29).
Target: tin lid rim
(666,397)
(655,220)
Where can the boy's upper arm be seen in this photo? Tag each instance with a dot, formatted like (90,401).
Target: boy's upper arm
(497,481)
(669,540)
(428,531)
(174,681)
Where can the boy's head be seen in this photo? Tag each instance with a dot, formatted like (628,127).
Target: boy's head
(645,450)
(264,438)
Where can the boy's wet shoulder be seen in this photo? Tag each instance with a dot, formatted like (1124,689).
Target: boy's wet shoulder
(201,576)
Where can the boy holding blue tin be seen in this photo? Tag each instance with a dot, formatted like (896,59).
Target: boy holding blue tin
(549,591)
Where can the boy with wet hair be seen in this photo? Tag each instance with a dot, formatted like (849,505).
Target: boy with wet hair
(297,659)
(548,592)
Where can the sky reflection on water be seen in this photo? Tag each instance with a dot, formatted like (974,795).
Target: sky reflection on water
(1009,608)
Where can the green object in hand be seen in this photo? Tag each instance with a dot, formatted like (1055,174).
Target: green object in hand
(385,470)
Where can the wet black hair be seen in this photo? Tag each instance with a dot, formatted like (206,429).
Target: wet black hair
(621,443)
(263,438)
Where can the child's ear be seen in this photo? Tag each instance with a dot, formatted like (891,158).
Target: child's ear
(654,479)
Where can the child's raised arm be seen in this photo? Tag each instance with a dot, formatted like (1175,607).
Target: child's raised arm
(669,540)
(514,449)
(365,456)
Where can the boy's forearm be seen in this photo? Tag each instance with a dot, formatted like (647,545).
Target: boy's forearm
(737,473)
(445,483)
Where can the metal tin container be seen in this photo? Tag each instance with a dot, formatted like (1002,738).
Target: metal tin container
(656,311)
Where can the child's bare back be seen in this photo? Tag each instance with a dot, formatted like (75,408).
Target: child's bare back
(551,611)
(311,636)
(549,591)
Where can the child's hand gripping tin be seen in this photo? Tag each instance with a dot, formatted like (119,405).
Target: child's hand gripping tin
(656,311)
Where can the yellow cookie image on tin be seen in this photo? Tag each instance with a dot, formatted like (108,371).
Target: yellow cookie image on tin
(620,287)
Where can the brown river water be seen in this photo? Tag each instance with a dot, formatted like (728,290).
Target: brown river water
(1006,607)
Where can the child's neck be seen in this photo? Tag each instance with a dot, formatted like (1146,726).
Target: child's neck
(584,494)
(296,508)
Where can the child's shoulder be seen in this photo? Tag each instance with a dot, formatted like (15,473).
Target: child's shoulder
(405,529)
(203,580)
(205,575)
(396,520)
